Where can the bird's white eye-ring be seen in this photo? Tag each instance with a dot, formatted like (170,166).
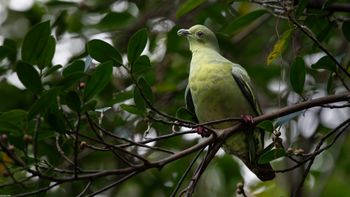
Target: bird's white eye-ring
(200,34)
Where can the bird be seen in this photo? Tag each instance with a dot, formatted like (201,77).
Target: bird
(218,89)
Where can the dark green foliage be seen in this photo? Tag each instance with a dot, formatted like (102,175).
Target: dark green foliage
(44,60)
(325,63)
(13,122)
(36,42)
(102,52)
(243,21)
(141,65)
(29,76)
(77,66)
(44,103)
(297,75)
(188,6)
(136,45)
(346,30)
(271,155)
(98,80)
(266,126)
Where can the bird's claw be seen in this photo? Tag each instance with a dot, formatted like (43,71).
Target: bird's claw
(247,119)
(204,132)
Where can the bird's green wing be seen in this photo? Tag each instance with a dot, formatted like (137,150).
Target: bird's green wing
(255,140)
(243,82)
(189,103)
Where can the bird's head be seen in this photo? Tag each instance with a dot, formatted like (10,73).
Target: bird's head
(200,37)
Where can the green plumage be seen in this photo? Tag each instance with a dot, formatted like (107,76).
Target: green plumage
(219,89)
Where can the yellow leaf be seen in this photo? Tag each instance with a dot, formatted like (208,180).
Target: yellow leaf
(279,46)
(6,159)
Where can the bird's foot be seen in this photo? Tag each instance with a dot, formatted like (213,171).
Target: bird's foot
(204,132)
(247,119)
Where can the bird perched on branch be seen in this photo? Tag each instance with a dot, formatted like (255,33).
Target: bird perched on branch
(219,89)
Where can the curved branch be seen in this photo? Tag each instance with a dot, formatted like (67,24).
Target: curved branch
(215,140)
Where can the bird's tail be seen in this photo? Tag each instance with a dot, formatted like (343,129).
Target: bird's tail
(263,171)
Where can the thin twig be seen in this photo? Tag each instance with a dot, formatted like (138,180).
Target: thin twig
(113,184)
(61,152)
(76,147)
(92,126)
(159,138)
(108,149)
(309,34)
(344,125)
(177,187)
(85,189)
(18,181)
(213,148)
(35,142)
(37,191)
(15,181)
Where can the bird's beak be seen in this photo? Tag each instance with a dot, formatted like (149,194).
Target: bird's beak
(183,32)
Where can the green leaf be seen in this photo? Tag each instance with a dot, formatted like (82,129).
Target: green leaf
(99,79)
(297,75)
(266,125)
(52,70)
(14,115)
(271,155)
(346,29)
(187,7)
(244,20)
(330,85)
(4,52)
(7,126)
(90,105)
(141,65)
(325,63)
(132,109)
(301,7)
(146,89)
(71,79)
(57,122)
(35,42)
(76,66)
(122,96)
(11,47)
(45,58)
(42,183)
(138,99)
(184,114)
(29,77)
(14,122)
(279,46)
(136,45)
(325,32)
(102,52)
(114,20)
(73,101)
(47,98)
(141,126)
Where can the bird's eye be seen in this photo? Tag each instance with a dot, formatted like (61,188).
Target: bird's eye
(200,34)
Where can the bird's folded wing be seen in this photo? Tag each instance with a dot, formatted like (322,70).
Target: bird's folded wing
(189,103)
(243,81)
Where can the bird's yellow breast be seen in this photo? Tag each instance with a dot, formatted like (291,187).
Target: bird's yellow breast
(215,94)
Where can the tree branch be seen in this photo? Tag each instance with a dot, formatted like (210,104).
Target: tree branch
(216,141)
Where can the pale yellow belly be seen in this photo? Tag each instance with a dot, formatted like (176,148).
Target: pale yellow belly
(216,96)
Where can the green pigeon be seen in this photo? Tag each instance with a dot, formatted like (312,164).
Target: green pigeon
(219,89)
